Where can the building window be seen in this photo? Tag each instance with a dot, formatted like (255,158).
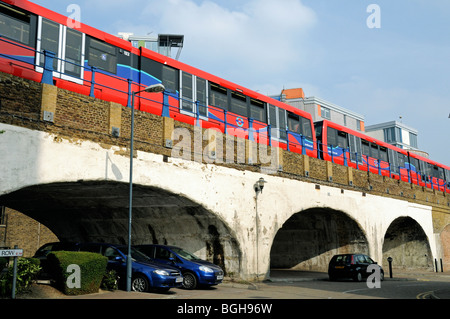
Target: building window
(392,134)
(413,140)
(2,215)
(325,113)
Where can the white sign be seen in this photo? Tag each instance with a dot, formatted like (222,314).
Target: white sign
(11,252)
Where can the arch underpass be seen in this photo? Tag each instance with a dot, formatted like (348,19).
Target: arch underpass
(310,238)
(98,212)
(408,245)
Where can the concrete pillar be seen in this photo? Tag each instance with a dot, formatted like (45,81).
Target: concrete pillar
(115,118)
(329,171)
(168,128)
(48,102)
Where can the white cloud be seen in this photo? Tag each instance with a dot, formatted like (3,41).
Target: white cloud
(258,38)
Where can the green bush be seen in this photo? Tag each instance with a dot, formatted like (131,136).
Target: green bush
(27,270)
(110,280)
(67,265)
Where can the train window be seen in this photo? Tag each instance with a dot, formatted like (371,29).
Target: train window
(274,131)
(306,127)
(299,125)
(187,92)
(282,123)
(374,151)
(202,96)
(383,154)
(73,53)
(49,40)
(15,25)
(355,148)
(332,137)
(218,96)
(193,89)
(342,139)
(414,164)
(239,103)
(102,55)
(365,147)
(438,172)
(393,160)
(293,123)
(402,159)
(277,121)
(170,78)
(257,110)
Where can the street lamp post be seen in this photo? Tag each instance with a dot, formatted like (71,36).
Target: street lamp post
(155,88)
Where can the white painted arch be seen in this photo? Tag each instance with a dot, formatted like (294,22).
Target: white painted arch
(33,157)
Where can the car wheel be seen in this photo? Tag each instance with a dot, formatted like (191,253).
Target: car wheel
(139,284)
(358,277)
(189,281)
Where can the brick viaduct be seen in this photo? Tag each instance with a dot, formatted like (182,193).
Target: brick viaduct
(70,173)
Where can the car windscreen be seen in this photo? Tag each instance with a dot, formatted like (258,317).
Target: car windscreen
(136,255)
(343,259)
(185,254)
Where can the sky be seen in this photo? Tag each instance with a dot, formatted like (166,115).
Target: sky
(388,62)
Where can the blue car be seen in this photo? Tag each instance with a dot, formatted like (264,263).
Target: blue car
(145,273)
(195,270)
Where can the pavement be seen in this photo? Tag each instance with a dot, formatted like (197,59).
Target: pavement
(260,290)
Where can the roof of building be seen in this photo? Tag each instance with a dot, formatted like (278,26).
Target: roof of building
(293,93)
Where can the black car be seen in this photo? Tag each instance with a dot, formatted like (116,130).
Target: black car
(46,249)
(352,266)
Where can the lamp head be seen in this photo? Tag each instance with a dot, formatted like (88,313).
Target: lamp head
(259,185)
(155,88)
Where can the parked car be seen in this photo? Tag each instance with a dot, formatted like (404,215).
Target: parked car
(352,266)
(195,270)
(145,273)
(46,249)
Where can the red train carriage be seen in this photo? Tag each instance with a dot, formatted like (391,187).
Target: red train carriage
(39,44)
(92,62)
(344,146)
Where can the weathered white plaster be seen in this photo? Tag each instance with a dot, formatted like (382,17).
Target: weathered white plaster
(33,157)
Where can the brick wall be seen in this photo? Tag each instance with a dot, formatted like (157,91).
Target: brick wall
(76,116)
(25,232)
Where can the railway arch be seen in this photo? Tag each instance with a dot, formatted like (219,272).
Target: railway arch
(213,208)
(407,244)
(309,239)
(97,211)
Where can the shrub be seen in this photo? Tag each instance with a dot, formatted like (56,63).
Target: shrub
(67,265)
(110,280)
(27,270)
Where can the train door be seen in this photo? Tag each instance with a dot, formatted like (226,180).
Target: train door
(277,121)
(193,97)
(354,143)
(67,44)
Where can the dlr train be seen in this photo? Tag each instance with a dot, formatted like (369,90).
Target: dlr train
(44,46)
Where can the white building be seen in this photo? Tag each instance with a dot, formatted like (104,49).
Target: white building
(397,134)
(321,109)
